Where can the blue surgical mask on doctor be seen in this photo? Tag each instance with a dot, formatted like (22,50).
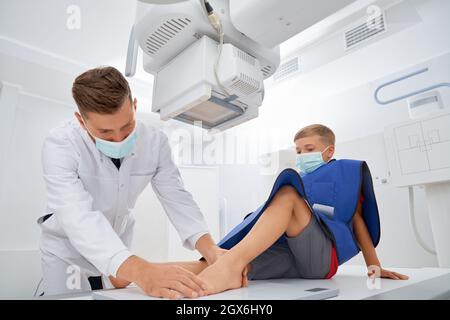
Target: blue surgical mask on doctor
(116,150)
(310,161)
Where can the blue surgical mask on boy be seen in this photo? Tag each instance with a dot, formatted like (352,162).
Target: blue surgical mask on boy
(116,150)
(308,162)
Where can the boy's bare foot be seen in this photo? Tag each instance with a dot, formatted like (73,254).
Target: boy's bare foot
(221,276)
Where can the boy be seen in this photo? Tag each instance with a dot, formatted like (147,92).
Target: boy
(307,227)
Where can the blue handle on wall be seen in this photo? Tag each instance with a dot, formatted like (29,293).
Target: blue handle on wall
(444,84)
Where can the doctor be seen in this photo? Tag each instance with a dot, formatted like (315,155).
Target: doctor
(94,168)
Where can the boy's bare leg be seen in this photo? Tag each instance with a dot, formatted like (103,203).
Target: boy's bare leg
(287,213)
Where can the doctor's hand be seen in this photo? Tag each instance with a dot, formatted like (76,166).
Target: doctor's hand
(214,253)
(118,283)
(159,280)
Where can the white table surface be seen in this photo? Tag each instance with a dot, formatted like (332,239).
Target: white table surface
(423,283)
(352,282)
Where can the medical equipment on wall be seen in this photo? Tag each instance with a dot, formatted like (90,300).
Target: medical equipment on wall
(419,155)
(419,150)
(210,57)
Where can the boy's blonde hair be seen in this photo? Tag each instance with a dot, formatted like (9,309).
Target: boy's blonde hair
(325,133)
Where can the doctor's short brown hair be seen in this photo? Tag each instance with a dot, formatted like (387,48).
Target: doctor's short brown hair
(100,90)
(326,134)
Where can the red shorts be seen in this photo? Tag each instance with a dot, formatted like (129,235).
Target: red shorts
(334,261)
(333,264)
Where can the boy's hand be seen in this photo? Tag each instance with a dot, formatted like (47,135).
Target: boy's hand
(386,274)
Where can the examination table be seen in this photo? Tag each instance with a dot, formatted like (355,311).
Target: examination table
(350,283)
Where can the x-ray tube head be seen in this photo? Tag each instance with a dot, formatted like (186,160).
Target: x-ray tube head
(186,89)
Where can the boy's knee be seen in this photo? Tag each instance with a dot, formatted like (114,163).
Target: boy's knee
(287,193)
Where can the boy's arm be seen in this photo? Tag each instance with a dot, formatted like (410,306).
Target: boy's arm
(368,250)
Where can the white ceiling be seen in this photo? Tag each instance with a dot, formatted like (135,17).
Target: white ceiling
(41,26)
(104,29)
(102,37)
(330,25)
(35,42)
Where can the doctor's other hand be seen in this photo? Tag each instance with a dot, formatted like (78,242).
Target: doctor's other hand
(159,280)
(214,253)
(386,274)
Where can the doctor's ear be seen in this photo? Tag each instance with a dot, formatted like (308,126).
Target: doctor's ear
(80,119)
(135,104)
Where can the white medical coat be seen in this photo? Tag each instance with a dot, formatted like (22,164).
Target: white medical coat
(91,201)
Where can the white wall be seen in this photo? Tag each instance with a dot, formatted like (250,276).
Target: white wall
(155,239)
(240,192)
(335,92)
(203,183)
(22,190)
